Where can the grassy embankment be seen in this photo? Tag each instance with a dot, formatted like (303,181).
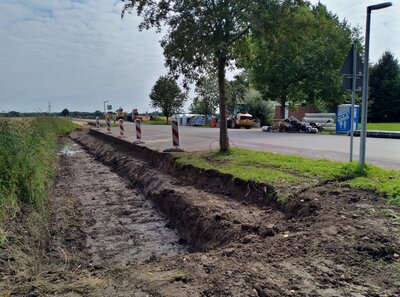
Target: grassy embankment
(291,172)
(28,150)
(384,126)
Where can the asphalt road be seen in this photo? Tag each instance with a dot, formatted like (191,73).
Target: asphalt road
(381,152)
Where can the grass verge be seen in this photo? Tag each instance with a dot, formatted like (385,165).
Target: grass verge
(158,121)
(290,174)
(28,148)
(380,180)
(103,125)
(384,126)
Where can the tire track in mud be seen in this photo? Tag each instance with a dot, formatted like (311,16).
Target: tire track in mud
(203,219)
(117,225)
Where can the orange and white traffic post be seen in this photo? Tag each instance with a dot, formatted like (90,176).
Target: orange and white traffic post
(97,122)
(138,132)
(175,134)
(108,122)
(121,128)
(175,138)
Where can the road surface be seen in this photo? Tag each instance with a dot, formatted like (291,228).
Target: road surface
(381,152)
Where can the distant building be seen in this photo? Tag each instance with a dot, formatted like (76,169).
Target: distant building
(298,112)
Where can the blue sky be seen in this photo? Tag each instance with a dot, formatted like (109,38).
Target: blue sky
(78,53)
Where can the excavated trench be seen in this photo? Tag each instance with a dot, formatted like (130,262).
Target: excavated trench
(107,220)
(127,222)
(206,215)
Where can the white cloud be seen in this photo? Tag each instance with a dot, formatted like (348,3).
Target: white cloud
(385,23)
(78,53)
(75,54)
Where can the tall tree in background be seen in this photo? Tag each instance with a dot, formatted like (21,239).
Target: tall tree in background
(167,96)
(201,37)
(385,90)
(65,112)
(236,91)
(300,58)
(206,101)
(260,109)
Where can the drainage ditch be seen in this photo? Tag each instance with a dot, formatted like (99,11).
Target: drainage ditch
(116,223)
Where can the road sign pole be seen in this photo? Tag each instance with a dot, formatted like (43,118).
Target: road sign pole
(353,100)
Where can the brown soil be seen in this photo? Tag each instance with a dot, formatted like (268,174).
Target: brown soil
(107,238)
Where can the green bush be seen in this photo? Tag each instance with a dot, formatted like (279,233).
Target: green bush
(259,108)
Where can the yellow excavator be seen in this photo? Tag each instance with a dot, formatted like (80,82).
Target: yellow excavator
(241,120)
(121,114)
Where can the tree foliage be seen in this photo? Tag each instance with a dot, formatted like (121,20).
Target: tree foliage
(260,109)
(206,101)
(13,114)
(385,90)
(300,57)
(201,37)
(65,112)
(236,91)
(98,113)
(167,96)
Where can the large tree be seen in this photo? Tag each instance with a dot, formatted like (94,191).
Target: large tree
(385,90)
(300,58)
(236,91)
(201,37)
(260,109)
(65,112)
(167,96)
(207,97)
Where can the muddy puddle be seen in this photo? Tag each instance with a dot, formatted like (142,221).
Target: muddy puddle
(68,150)
(119,225)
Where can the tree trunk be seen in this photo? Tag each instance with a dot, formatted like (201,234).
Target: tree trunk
(167,120)
(283,107)
(223,130)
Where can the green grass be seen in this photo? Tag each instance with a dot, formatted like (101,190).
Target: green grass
(103,125)
(291,173)
(28,150)
(384,126)
(158,121)
(380,180)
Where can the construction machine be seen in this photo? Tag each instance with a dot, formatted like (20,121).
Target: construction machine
(245,120)
(134,115)
(121,114)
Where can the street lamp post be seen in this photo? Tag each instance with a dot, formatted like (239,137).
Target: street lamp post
(364,111)
(105,107)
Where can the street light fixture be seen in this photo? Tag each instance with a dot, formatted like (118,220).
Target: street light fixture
(364,110)
(105,107)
